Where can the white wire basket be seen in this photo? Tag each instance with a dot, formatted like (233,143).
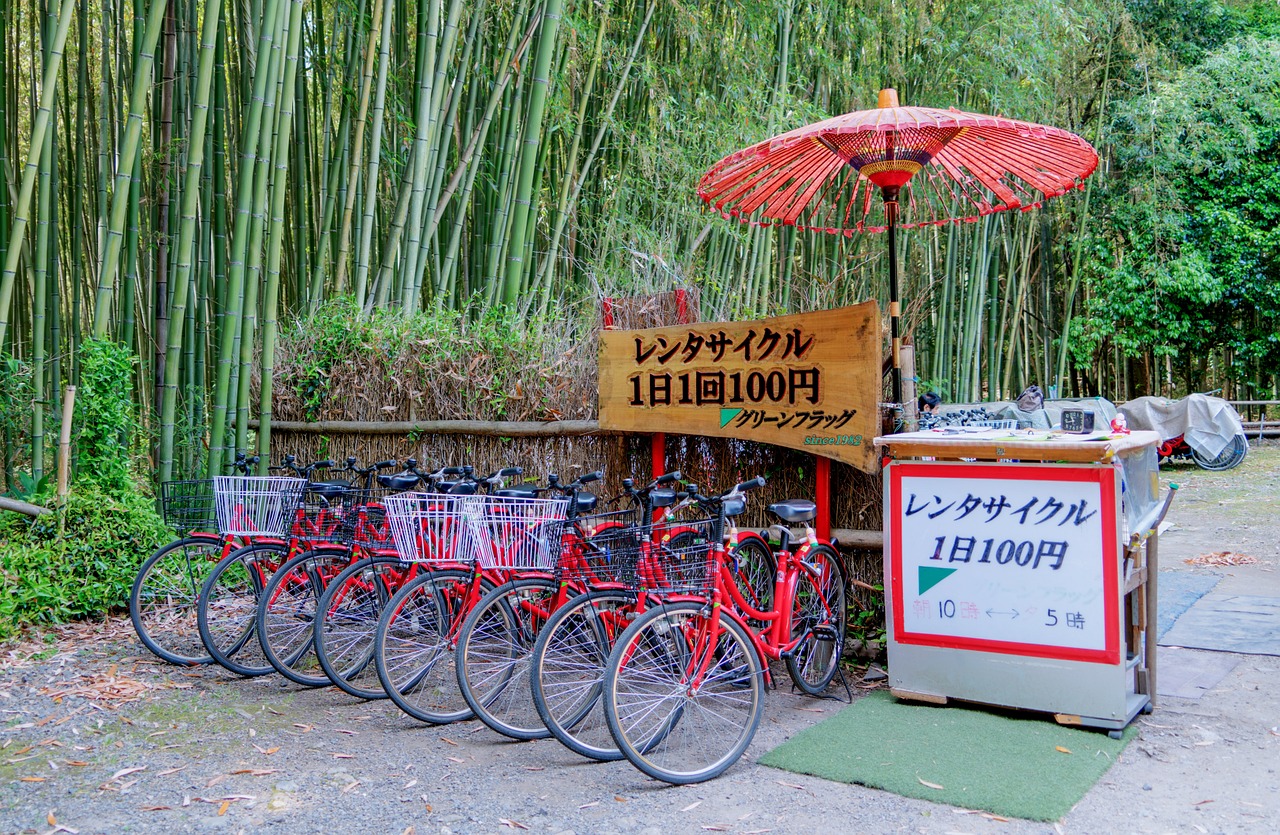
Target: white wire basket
(432,527)
(256,505)
(518,533)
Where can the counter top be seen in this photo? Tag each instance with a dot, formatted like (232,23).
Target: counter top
(956,442)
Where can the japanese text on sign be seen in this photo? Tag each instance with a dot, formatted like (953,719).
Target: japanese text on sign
(802,381)
(986,558)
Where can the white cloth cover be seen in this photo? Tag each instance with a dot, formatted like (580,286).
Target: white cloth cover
(1207,423)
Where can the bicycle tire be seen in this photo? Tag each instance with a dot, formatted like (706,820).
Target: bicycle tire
(165,596)
(1232,456)
(347,627)
(414,646)
(819,609)
(566,670)
(228,608)
(667,732)
(285,619)
(754,566)
(494,650)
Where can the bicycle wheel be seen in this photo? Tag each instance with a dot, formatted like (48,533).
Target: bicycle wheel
(413,647)
(671,722)
(286,613)
(164,597)
(228,607)
(754,566)
(818,611)
(566,670)
(347,625)
(1231,456)
(494,648)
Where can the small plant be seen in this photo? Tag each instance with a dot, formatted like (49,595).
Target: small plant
(866,622)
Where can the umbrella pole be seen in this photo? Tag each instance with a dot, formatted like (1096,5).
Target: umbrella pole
(890,194)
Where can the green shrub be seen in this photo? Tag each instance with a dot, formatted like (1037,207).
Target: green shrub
(106,426)
(85,569)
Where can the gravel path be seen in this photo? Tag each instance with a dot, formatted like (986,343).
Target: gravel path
(96,737)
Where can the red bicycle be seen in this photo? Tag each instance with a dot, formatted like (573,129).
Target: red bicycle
(683,693)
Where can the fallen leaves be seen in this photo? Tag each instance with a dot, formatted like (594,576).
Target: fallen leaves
(1062,750)
(694,805)
(107,689)
(512,824)
(267,751)
(1222,558)
(169,771)
(929,785)
(793,786)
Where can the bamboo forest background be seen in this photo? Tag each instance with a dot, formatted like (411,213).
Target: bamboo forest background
(193,181)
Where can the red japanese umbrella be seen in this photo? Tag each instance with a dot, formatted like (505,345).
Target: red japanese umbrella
(820,177)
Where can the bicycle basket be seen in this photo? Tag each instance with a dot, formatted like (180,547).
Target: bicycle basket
(602,548)
(256,505)
(372,528)
(518,533)
(188,505)
(431,527)
(330,517)
(679,561)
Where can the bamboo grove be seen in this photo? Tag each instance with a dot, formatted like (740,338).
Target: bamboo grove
(183,178)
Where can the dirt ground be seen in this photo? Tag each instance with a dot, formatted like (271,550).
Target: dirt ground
(97,737)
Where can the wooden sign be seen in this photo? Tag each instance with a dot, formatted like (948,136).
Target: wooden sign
(809,381)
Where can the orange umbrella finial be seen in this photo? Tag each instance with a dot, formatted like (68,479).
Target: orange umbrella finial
(888,98)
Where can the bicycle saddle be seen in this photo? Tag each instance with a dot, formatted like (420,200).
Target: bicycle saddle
(734,505)
(585,502)
(458,488)
(794,510)
(403,481)
(517,493)
(329,490)
(662,498)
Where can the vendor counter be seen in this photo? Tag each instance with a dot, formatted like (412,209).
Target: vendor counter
(1020,570)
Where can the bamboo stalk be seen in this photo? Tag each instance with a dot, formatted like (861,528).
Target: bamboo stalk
(533,125)
(227,347)
(40,124)
(281,161)
(128,152)
(187,233)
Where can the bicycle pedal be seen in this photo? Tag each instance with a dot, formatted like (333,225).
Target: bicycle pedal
(826,632)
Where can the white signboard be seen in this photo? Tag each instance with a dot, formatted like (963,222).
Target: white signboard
(1005,558)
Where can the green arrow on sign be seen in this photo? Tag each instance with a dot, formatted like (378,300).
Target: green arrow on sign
(930,576)
(727,415)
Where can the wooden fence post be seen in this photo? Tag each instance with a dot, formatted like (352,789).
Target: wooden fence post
(64,443)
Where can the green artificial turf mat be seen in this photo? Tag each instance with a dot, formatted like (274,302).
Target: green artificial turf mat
(975,759)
